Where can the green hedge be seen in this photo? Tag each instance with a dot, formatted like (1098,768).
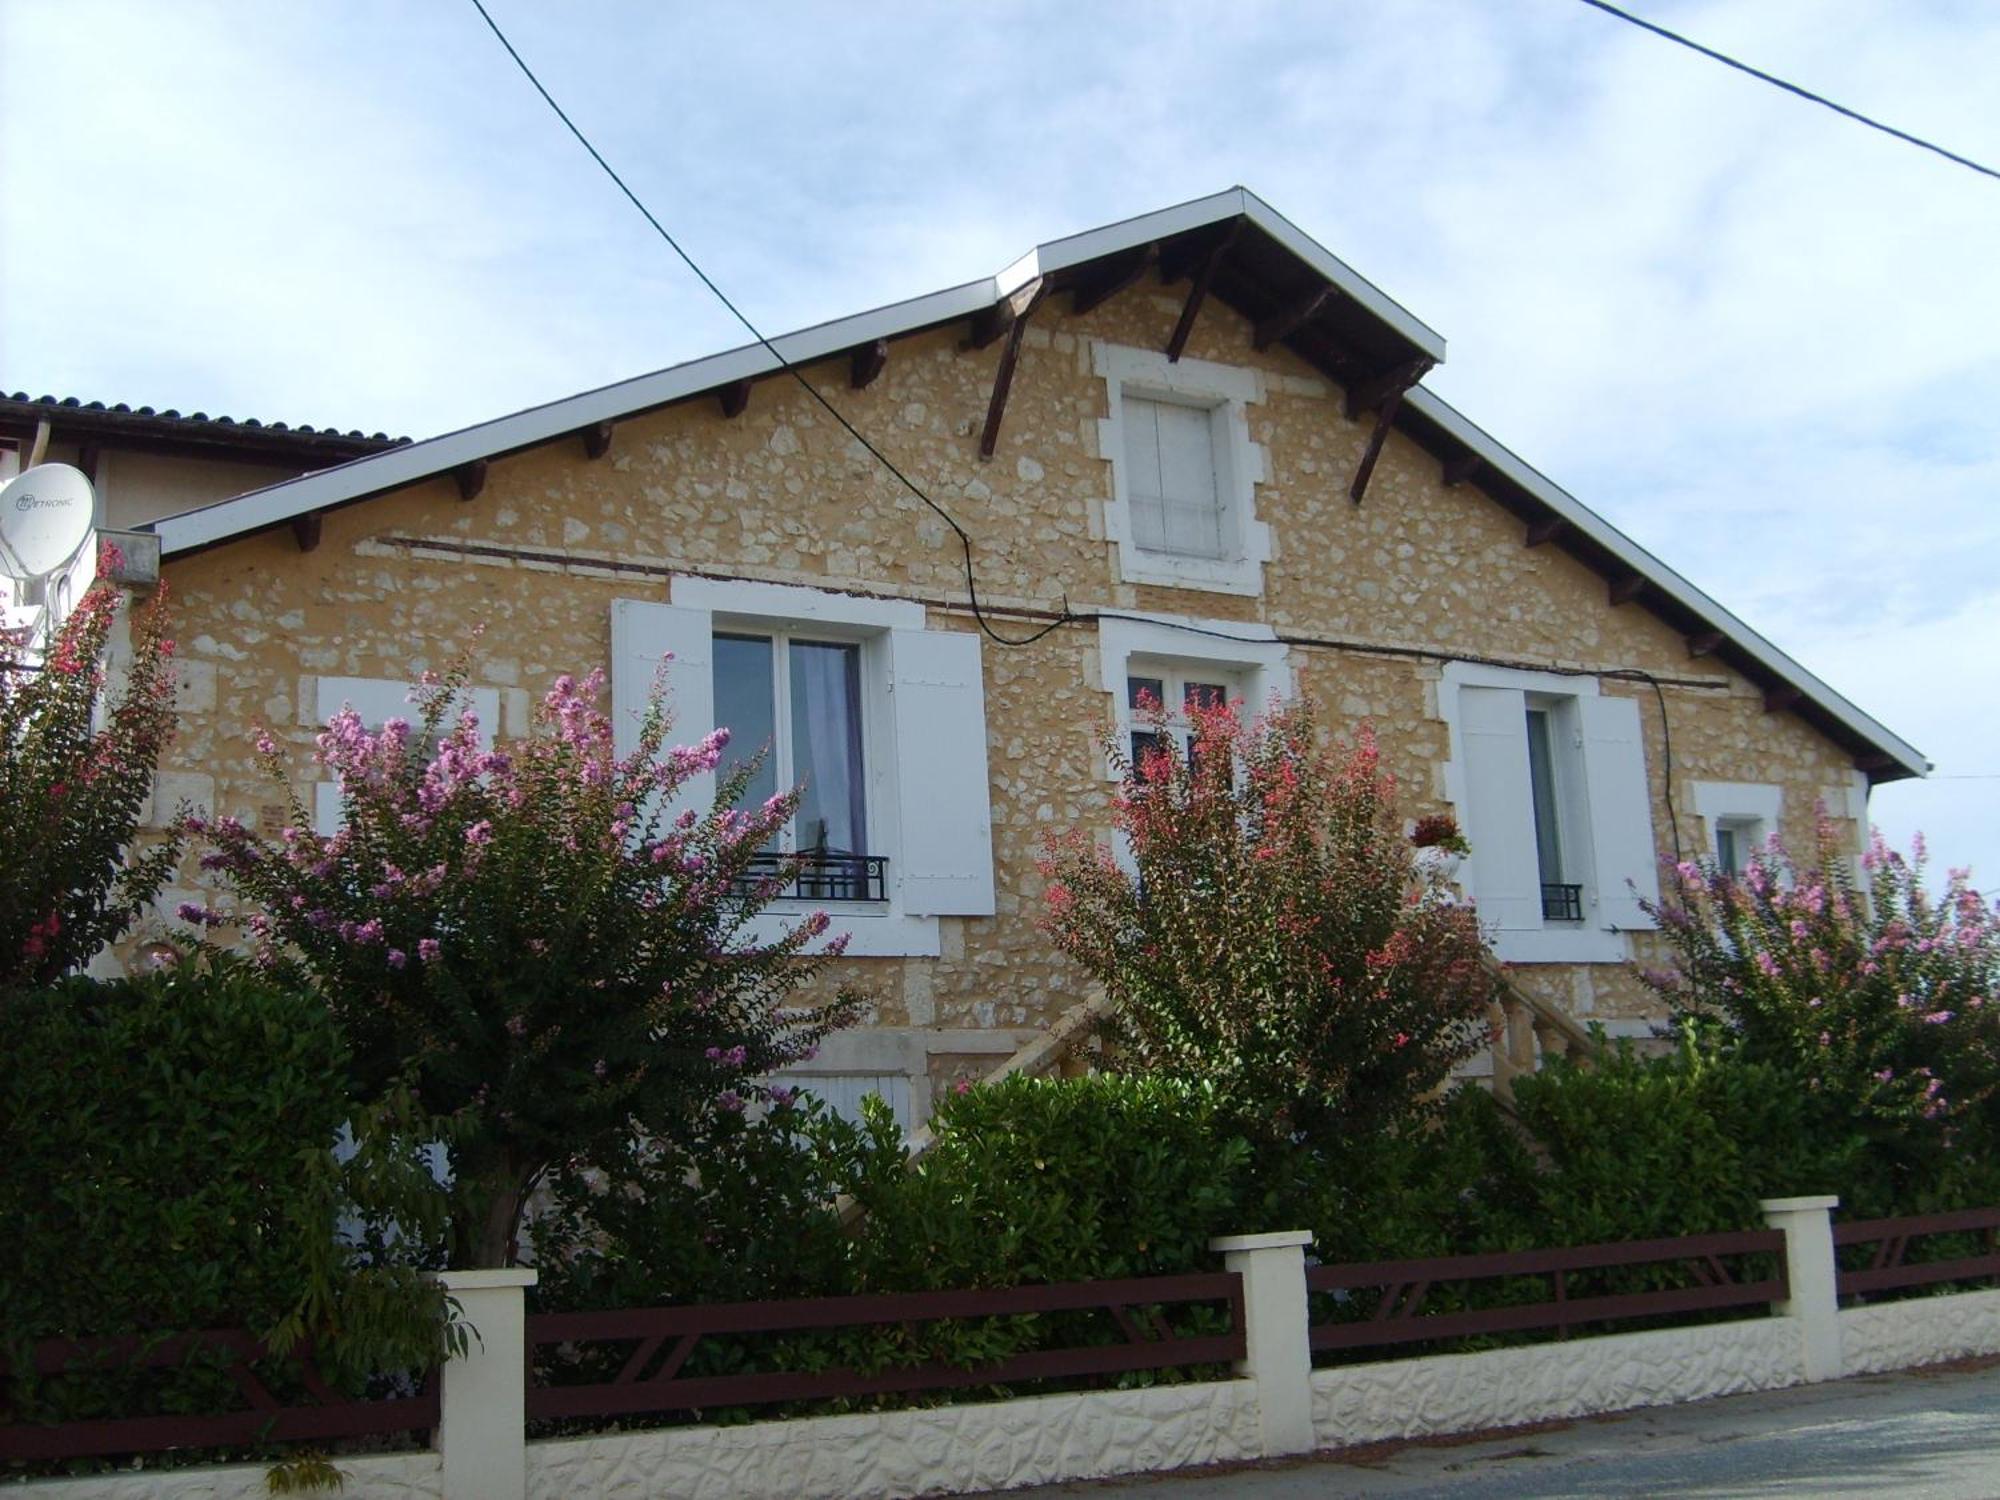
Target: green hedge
(169,1168)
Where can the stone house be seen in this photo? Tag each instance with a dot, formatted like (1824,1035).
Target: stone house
(1189,452)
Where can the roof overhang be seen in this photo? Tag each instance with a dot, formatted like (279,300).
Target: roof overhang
(1356,334)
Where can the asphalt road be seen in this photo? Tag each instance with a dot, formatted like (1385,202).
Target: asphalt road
(1919,1435)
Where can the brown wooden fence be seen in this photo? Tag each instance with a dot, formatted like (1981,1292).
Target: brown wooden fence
(1391,1293)
(1890,1269)
(263,1417)
(661,1341)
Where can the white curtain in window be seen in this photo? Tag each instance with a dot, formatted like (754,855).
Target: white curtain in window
(826,745)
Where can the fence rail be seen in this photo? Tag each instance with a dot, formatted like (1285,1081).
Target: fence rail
(1889,1269)
(1403,1286)
(663,1339)
(236,1353)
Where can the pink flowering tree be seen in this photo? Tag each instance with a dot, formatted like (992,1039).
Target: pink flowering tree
(529,941)
(1272,932)
(75,772)
(1884,1004)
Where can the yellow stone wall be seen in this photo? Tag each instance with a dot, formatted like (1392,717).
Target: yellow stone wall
(780,494)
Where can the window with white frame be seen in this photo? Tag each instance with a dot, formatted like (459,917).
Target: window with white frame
(880,721)
(794,709)
(1549,779)
(1145,662)
(1739,816)
(1163,697)
(377,700)
(1184,471)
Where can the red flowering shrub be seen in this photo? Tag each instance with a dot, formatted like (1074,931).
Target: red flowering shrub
(529,942)
(72,785)
(1885,1005)
(1273,933)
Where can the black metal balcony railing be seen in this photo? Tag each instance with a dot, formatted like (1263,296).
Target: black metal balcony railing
(1562,903)
(823,875)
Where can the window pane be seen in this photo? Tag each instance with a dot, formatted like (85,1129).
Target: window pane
(746,704)
(1146,693)
(826,746)
(1199,695)
(1726,856)
(1145,743)
(1542,783)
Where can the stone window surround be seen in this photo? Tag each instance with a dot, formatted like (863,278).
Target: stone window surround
(1717,802)
(883,930)
(1240,465)
(1255,660)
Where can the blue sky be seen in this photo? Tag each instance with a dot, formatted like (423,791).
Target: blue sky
(1760,339)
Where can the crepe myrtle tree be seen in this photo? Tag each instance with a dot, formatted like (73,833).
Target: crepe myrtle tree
(1884,1001)
(530,941)
(1272,931)
(76,767)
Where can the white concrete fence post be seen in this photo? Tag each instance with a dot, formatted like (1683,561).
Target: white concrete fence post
(483,1397)
(1275,1328)
(1807,1224)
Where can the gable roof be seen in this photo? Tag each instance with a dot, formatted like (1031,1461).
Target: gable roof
(1259,263)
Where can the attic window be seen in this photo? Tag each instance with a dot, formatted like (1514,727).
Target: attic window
(1177,505)
(1184,472)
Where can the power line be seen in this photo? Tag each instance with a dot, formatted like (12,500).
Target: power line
(964,538)
(1791,88)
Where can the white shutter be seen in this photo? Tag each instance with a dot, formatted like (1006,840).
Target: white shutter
(944,802)
(1499,810)
(1621,811)
(642,636)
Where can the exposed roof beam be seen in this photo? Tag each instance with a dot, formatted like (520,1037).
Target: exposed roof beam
(1705,643)
(87,455)
(1780,696)
(1198,293)
(1543,530)
(306,530)
(596,439)
(1003,378)
(1289,320)
(1626,587)
(1462,469)
(1092,291)
(866,362)
(1368,395)
(734,398)
(1385,418)
(471,479)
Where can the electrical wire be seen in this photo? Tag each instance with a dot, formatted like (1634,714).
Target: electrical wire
(1791,88)
(964,538)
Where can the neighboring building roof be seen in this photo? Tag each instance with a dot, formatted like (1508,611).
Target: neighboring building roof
(1256,261)
(195,435)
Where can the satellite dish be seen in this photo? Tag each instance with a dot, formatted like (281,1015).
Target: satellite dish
(45,514)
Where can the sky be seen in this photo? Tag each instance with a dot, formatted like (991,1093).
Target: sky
(1762,340)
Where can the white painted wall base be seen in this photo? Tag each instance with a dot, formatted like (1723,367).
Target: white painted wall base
(1450,1393)
(888,1455)
(1919,1331)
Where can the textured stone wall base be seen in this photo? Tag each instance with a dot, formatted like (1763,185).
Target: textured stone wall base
(887,1455)
(1508,1387)
(1921,1331)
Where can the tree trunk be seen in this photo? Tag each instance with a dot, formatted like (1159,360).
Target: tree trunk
(486,1218)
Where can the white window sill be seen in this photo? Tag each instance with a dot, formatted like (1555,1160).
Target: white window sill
(1560,945)
(1212,575)
(874,931)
